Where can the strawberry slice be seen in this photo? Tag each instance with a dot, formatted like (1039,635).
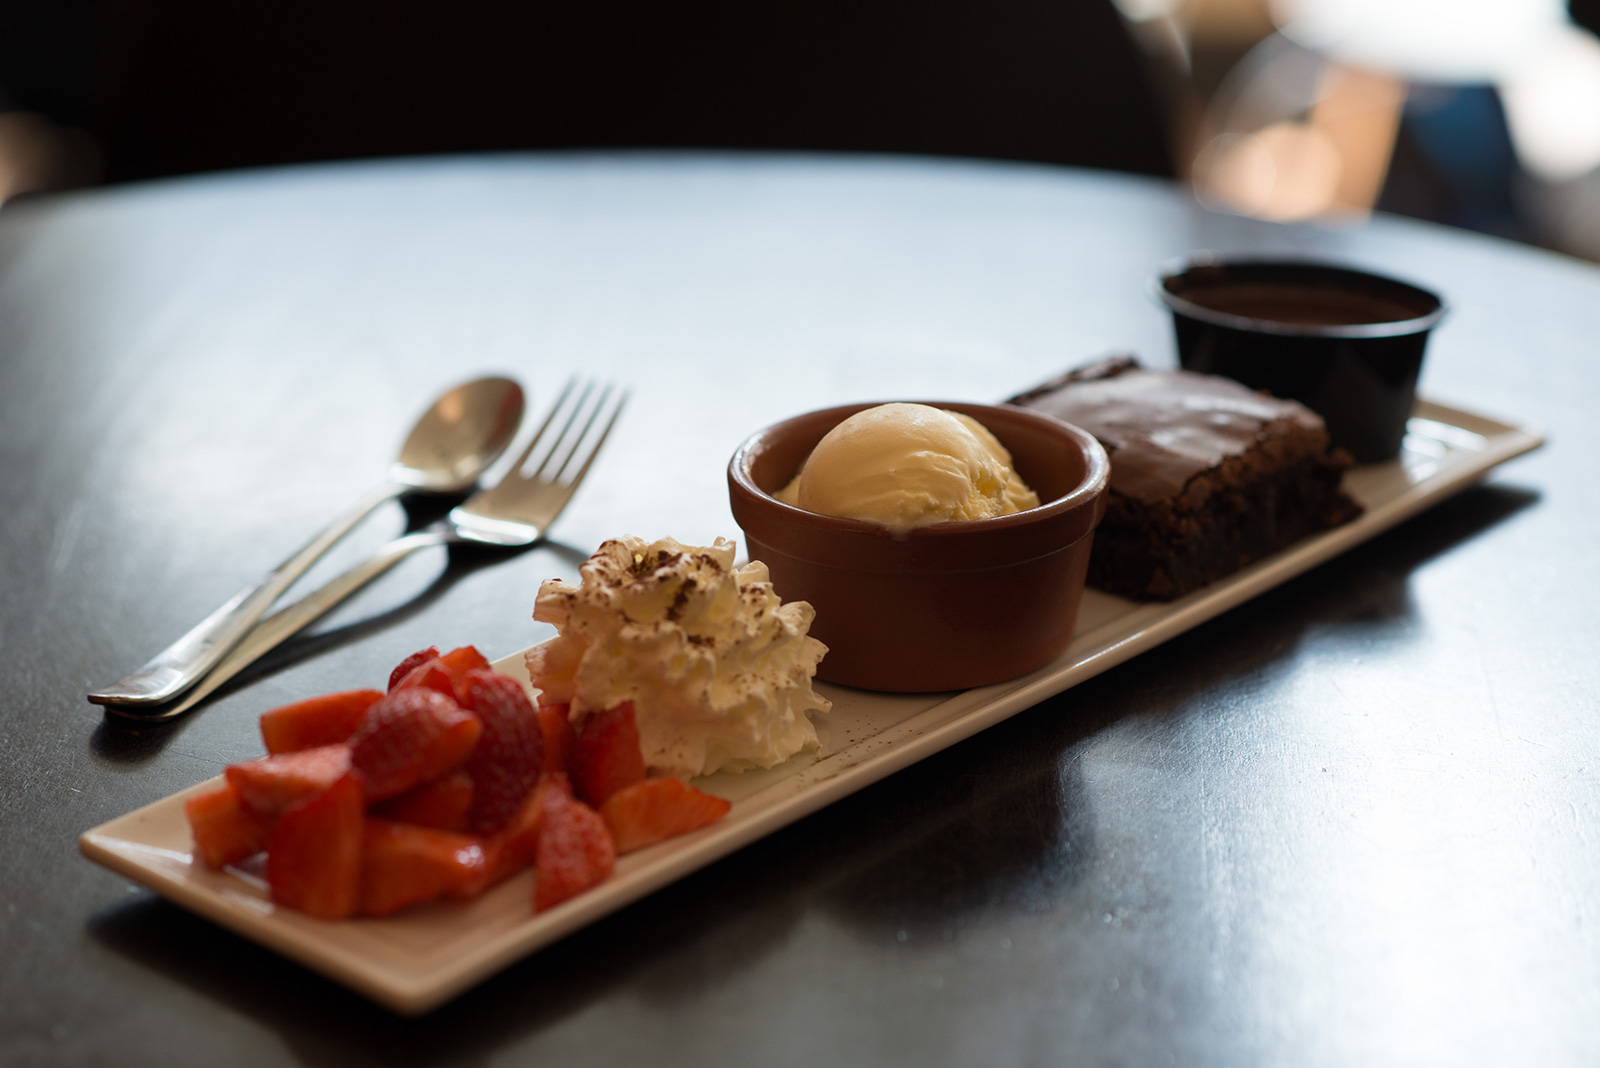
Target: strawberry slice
(447,673)
(441,803)
(657,809)
(411,663)
(606,755)
(315,721)
(556,723)
(225,831)
(512,847)
(403,865)
(314,854)
(574,851)
(510,754)
(465,659)
(408,737)
(432,675)
(269,785)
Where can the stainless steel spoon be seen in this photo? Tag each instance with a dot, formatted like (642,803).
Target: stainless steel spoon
(452,444)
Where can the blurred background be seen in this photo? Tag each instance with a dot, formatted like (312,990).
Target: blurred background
(1482,114)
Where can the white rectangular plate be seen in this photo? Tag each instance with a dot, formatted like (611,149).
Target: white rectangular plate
(417,960)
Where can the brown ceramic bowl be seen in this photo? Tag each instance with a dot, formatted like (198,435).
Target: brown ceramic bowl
(943,607)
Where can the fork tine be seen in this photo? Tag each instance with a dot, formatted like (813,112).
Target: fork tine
(579,438)
(549,421)
(605,432)
(538,435)
(545,470)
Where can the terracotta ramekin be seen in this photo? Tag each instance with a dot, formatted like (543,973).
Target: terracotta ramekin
(944,607)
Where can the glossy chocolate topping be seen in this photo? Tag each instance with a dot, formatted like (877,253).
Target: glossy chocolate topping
(1305,305)
(1163,427)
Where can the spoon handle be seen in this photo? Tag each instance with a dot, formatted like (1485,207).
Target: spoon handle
(181,664)
(284,624)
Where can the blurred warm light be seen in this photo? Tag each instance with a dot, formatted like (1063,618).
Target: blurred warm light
(1228,23)
(1146,10)
(27,152)
(1289,170)
(1546,69)
(1552,102)
(1359,111)
(37,154)
(1423,40)
(1292,109)
(1329,160)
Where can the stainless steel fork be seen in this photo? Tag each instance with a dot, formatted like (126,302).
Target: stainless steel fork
(514,512)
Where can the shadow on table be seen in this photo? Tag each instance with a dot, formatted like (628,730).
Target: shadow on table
(129,742)
(1002,822)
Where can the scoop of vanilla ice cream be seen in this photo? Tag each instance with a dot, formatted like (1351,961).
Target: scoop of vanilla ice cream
(907,466)
(718,669)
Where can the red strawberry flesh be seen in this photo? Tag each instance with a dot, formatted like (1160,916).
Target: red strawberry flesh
(409,737)
(441,803)
(556,723)
(225,831)
(315,721)
(574,851)
(509,756)
(657,809)
(403,865)
(314,855)
(271,784)
(446,673)
(606,754)
(411,663)
(512,847)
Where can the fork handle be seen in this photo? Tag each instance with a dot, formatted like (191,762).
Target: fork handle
(282,625)
(181,664)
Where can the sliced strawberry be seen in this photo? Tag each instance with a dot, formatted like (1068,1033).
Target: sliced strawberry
(403,865)
(315,721)
(411,663)
(432,675)
(606,755)
(441,803)
(512,847)
(657,809)
(574,851)
(269,785)
(559,738)
(446,673)
(464,659)
(409,737)
(510,754)
(314,855)
(225,831)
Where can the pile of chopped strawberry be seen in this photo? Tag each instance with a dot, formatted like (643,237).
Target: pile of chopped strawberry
(448,783)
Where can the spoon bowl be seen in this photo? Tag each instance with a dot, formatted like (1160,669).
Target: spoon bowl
(457,438)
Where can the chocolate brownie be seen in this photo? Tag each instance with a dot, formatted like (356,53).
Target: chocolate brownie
(1207,475)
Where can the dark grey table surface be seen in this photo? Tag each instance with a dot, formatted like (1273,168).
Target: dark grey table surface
(1353,821)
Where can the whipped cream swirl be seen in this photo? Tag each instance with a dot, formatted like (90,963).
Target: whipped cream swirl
(719,670)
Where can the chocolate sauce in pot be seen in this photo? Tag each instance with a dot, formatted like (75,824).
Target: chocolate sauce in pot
(1303,305)
(1346,343)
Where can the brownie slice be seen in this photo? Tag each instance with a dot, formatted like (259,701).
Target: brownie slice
(1207,475)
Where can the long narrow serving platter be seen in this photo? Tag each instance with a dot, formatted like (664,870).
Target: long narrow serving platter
(417,960)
